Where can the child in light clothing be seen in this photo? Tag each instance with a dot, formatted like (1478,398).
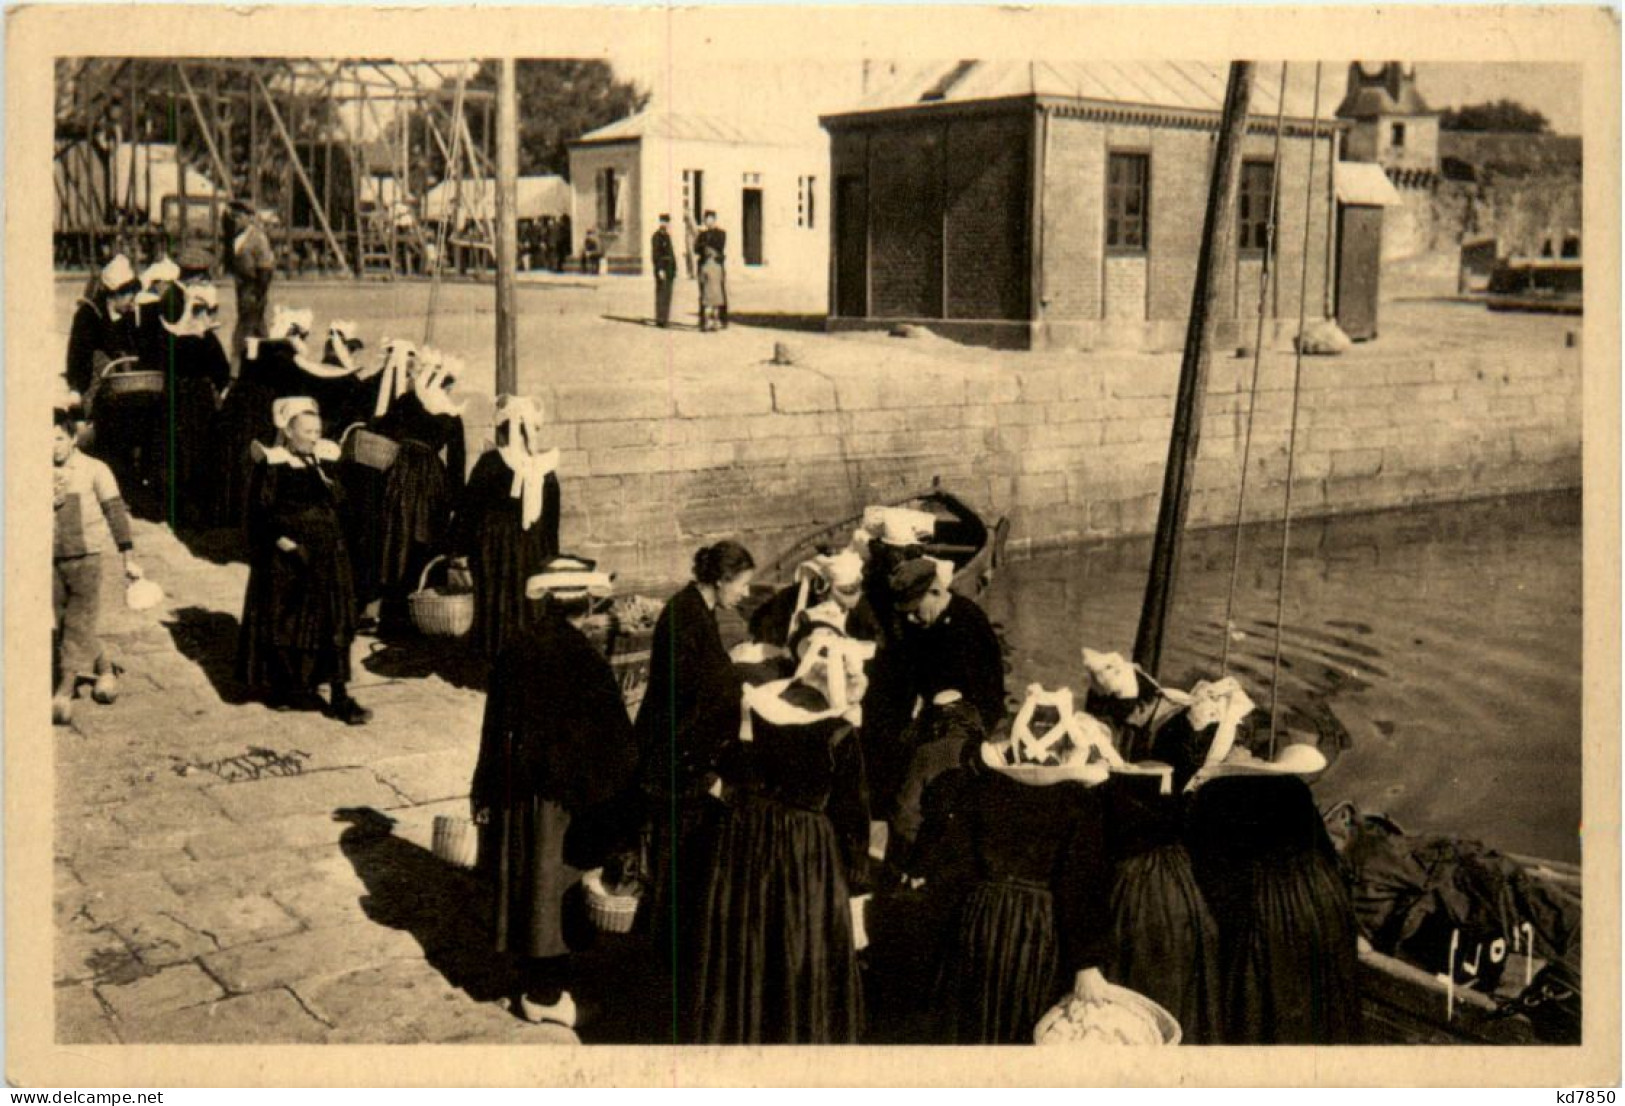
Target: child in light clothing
(88,514)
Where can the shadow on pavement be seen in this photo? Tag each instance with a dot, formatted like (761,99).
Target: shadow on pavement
(222,545)
(646,321)
(209,640)
(413,656)
(778,320)
(619,988)
(442,907)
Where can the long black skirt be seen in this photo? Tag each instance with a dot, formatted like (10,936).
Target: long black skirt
(363,528)
(505,556)
(775,962)
(193,465)
(416,510)
(244,418)
(299,612)
(1164,942)
(999,975)
(522,853)
(1287,929)
(1290,966)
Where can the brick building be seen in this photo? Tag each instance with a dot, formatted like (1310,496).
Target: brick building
(1061,205)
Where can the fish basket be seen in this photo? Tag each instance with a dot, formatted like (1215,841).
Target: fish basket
(124,377)
(455,841)
(1049,1030)
(363,447)
(610,913)
(441,611)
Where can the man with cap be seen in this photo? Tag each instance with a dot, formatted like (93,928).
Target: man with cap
(664,257)
(253,264)
(552,786)
(952,648)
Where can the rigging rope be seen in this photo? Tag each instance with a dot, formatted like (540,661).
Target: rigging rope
(1297,388)
(1264,274)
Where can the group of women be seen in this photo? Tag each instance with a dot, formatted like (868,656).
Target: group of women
(1135,835)
(346,474)
(850,776)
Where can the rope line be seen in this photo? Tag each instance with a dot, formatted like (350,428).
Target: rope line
(1292,432)
(1265,272)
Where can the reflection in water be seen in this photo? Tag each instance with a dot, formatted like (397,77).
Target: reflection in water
(1433,653)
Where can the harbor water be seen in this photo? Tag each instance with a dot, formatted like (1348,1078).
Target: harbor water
(1434,653)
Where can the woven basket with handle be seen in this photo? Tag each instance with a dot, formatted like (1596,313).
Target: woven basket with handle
(366,448)
(441,612)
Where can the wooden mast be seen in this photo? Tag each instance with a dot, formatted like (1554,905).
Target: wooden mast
(507,227)
(1218,248)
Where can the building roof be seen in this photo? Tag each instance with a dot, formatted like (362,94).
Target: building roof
(1364,183)
(1373,101)
(1168,85)
(668,126)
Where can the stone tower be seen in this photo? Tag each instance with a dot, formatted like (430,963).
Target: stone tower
(1391,124)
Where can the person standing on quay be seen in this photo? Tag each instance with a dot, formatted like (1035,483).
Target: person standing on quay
(711,246)
(253,264)
(665,264)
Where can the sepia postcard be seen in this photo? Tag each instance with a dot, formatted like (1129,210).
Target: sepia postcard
(610,546)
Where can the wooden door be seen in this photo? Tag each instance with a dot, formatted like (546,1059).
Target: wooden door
(751,205)
(1359,263)
(851,248)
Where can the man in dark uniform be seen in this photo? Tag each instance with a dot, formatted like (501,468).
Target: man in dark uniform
(953,651)
(664,257)
(253,264)
(715,238)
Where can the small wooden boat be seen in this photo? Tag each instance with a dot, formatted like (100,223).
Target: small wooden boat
(963,536)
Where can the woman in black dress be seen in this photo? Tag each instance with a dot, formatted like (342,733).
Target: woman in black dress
(774,956)
(178,334)
(690,713)
(508,521)
(828,578)
(1017,857)
(269,371)
(421,487)
(299,612)
(556,748)
(1164,942)
(1287,931)
(377,386)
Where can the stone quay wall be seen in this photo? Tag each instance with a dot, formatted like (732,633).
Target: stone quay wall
(1071,453)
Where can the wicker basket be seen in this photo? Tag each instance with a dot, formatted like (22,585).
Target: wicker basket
(124,377)
(610,913)
(1166,1022)
(441,612)
(364,447)
(456,841)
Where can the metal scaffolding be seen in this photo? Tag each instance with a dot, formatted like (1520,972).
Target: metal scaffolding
(150,151)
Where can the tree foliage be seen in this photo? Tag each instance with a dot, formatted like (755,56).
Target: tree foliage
(1504,116)
(559,100)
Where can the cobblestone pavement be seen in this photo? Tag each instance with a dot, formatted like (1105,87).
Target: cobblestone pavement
(228,874)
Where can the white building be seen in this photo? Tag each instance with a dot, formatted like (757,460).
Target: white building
(767,183)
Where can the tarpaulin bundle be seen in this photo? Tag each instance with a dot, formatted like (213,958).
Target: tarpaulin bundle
(1411,893)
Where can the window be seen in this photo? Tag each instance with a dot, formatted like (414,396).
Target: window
(806,202)
(753,180)
(1398,140)
(1128,199)
(694,195)
(610,200)
(1253,205)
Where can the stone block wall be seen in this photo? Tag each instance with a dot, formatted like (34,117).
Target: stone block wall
(652,471)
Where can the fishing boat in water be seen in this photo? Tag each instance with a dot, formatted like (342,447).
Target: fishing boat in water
(963,535)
